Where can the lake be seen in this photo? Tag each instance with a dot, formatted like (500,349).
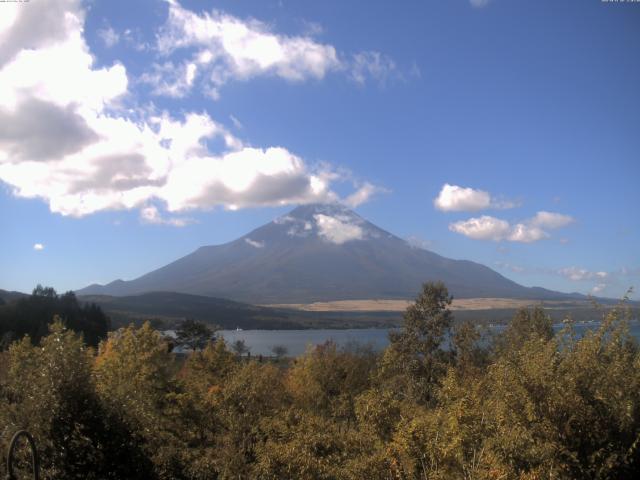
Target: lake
(260,342)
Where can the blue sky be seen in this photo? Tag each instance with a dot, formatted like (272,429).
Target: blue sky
(504,132)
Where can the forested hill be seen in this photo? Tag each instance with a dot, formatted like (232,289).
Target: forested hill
(31,315)
(170,307)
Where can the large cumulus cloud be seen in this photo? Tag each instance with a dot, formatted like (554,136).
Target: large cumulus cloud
(69,136)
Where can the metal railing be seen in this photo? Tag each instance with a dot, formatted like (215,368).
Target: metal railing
(35,461)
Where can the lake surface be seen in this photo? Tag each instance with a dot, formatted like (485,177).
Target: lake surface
(260,342)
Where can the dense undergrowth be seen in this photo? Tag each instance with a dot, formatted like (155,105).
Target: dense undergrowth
(527,405)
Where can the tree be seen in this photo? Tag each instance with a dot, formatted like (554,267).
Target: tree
(194,335)
(326,380)
(525,325)
(279,351)
(135,380)
(305,446)
(205,374)
(45,292)
(33,314)
(240,347)
(415,361)
(567,407)
(51,393)
(469,355)
(251,396)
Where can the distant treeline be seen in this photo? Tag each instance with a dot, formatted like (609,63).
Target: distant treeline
(527,405)
(31,315)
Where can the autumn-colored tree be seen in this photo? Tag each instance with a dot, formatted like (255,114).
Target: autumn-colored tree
(543,408)
(249,399)
(49,391)
(134,374)
(469,349)
(203,376)
(435,404)
(326,380)
(525,324)
(302,445)
(569,407)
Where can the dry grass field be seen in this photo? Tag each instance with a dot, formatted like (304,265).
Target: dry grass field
(377,305)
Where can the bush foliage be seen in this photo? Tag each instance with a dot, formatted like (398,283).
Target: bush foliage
(440,402)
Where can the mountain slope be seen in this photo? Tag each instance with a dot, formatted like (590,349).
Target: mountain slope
(319,253)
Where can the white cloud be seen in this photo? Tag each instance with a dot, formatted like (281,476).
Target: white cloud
(38,246)
(40,130)
(527,231)
(483,228)
(236,122)
(230,48)
(374,65)
(109,36)
(573,273)
(599,280)
(242,49)
(284,219)
(578,274)
(510,266)
(416,241)
(499,203)
(338,230)
(363,195)
(135,39)
(298,228)
(243,178)
(29,26)
(254,243)
(312,29)
(171,80)
(453,198)
(67,136)
(551,220)
(152,216)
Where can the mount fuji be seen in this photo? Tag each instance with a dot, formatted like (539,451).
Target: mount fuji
(320,252)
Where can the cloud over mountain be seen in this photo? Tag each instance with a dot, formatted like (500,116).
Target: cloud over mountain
(338,229)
